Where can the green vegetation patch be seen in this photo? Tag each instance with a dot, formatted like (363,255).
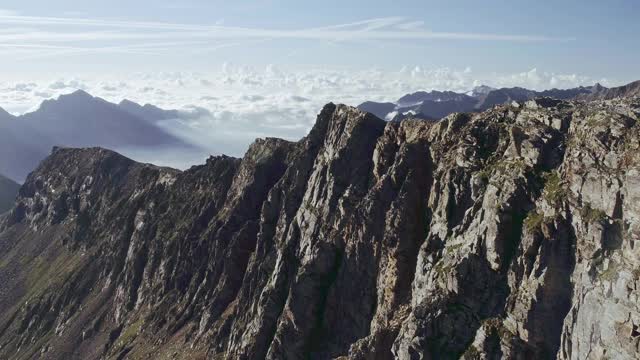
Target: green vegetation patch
(44,274)
(506,166)
(554,188)
(442,268)
(611,274)
(533,221)
(500,329)
(592,215)
(130,333)
(471,353)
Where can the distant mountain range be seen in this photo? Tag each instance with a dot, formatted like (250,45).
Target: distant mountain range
(8,192)
(148,112)
(602,93)
(79,120)
(435,105)
(82,120)
(20,147)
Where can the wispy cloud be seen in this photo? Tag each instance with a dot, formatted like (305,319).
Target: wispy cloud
(83,33)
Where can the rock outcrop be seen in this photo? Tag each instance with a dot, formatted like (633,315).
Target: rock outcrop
(504,234)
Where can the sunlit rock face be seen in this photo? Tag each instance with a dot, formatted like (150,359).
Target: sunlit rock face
(509,233)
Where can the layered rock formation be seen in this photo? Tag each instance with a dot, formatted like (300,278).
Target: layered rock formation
(505,234)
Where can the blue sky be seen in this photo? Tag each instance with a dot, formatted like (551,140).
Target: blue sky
(592,38)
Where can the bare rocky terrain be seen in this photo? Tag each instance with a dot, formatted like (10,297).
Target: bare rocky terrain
(508,233)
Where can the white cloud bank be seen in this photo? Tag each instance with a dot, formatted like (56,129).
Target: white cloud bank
(227,109)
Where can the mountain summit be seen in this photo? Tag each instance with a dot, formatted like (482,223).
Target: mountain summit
(78,120)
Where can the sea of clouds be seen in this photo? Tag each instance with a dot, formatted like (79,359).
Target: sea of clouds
(225,110)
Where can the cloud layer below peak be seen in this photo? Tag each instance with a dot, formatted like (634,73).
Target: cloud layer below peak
(226,110)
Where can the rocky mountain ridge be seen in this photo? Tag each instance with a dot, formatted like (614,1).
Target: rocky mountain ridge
(503,234)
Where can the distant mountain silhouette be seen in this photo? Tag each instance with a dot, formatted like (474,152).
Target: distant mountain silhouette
(20,146)
(398,116)
(438,104)
(480,90)
(380,110)
(433,96)
(8,192)
(502,96)
(148,112)
(602,93)
(78,120)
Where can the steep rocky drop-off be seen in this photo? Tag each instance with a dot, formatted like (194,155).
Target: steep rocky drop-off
(505,234)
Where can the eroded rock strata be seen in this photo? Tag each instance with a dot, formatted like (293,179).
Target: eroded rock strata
(505,234)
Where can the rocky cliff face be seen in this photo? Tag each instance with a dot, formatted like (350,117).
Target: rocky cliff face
(504,234)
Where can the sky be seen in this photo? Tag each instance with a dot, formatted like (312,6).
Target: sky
(266,67)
